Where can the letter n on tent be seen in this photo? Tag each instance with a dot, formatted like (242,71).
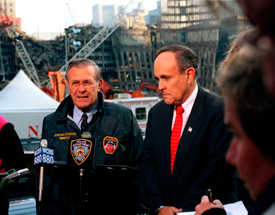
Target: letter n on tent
(34,131)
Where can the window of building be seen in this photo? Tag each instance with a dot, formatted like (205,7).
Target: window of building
(141,113)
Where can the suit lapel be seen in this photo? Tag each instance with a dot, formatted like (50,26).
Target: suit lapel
(190,131)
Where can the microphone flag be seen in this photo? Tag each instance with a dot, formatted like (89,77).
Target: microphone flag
(43,155)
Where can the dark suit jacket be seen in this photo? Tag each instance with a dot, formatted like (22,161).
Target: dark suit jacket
(200,160)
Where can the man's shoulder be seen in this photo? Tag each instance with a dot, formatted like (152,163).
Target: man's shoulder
(160,105)
(50,116)
(211,99)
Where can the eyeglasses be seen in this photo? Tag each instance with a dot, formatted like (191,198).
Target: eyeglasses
(85,84)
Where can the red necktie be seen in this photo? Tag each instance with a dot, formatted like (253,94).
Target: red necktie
(175,135)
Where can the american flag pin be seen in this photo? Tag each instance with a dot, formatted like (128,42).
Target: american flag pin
(190,129)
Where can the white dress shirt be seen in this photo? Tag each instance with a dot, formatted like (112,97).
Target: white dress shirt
(77,115)
(187,106)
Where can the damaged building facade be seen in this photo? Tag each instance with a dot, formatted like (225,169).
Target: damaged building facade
(126,57)
(133,54)
(208,33)
(7,58)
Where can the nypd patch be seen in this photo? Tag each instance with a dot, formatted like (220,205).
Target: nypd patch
(110,144)
(80,150)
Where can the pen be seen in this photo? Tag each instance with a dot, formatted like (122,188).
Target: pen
(209,194)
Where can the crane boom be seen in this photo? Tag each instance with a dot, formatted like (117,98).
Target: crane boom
(71,14)
(20,48)
(100,37)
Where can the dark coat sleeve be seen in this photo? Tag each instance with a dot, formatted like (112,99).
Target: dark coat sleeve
(215,211)
(149,172)
(137,194)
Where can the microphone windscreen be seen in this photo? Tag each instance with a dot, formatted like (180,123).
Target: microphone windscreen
(44,143)
(86,134)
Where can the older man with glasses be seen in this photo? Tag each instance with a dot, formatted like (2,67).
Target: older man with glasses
(118,142)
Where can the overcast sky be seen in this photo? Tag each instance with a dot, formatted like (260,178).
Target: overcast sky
(54,16)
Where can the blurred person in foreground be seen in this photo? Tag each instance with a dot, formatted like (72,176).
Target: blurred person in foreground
(11,157)
(186,139)
(249,114)
(118,142)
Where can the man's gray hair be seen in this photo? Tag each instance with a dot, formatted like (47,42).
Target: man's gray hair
(80,63)
(185,57)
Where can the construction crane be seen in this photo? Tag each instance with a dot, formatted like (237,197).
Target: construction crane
(20,48)
(137,93)
(101,36)
(2,66)
(71,13)
(95,42)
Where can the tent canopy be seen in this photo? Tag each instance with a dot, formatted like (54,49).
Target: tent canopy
(21,94)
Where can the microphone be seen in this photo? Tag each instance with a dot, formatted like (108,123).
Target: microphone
(42,155)
(86,134)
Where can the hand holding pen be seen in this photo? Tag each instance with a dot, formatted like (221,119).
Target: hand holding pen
(209,195)
(207,203)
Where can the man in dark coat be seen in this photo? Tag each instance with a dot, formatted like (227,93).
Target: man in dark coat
(118,142)
(174,177)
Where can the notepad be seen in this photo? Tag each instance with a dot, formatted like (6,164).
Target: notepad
(236,208)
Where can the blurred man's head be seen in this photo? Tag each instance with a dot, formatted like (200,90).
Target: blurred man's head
(249,113)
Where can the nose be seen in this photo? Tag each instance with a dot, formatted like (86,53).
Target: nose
(160,86)
(231,154)
(81,88)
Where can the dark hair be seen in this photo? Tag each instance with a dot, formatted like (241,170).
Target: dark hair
(241,80)
(186,58)
(79,63)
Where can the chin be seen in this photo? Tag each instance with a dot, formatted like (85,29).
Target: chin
(168,101)
(252,192)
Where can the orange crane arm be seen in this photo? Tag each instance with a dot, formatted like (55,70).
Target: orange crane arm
(147,85)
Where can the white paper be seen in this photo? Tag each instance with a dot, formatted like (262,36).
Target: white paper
(236,208)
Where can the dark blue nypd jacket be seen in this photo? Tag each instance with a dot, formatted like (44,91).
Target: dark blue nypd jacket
(105,192)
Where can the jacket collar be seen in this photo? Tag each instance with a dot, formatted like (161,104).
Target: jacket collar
(67,106)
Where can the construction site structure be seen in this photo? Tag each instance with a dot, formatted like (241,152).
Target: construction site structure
(102,35)
(133,54)
(20,48)
(138,93)
(57,82)
(74,20)
(191,23)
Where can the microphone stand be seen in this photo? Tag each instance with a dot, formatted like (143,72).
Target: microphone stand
(85,134)
(81,171)
(41,178)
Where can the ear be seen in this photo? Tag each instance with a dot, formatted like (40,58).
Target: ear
(190,74)
(67,85)
(99,84)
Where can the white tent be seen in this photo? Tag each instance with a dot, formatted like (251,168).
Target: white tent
(23,104)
